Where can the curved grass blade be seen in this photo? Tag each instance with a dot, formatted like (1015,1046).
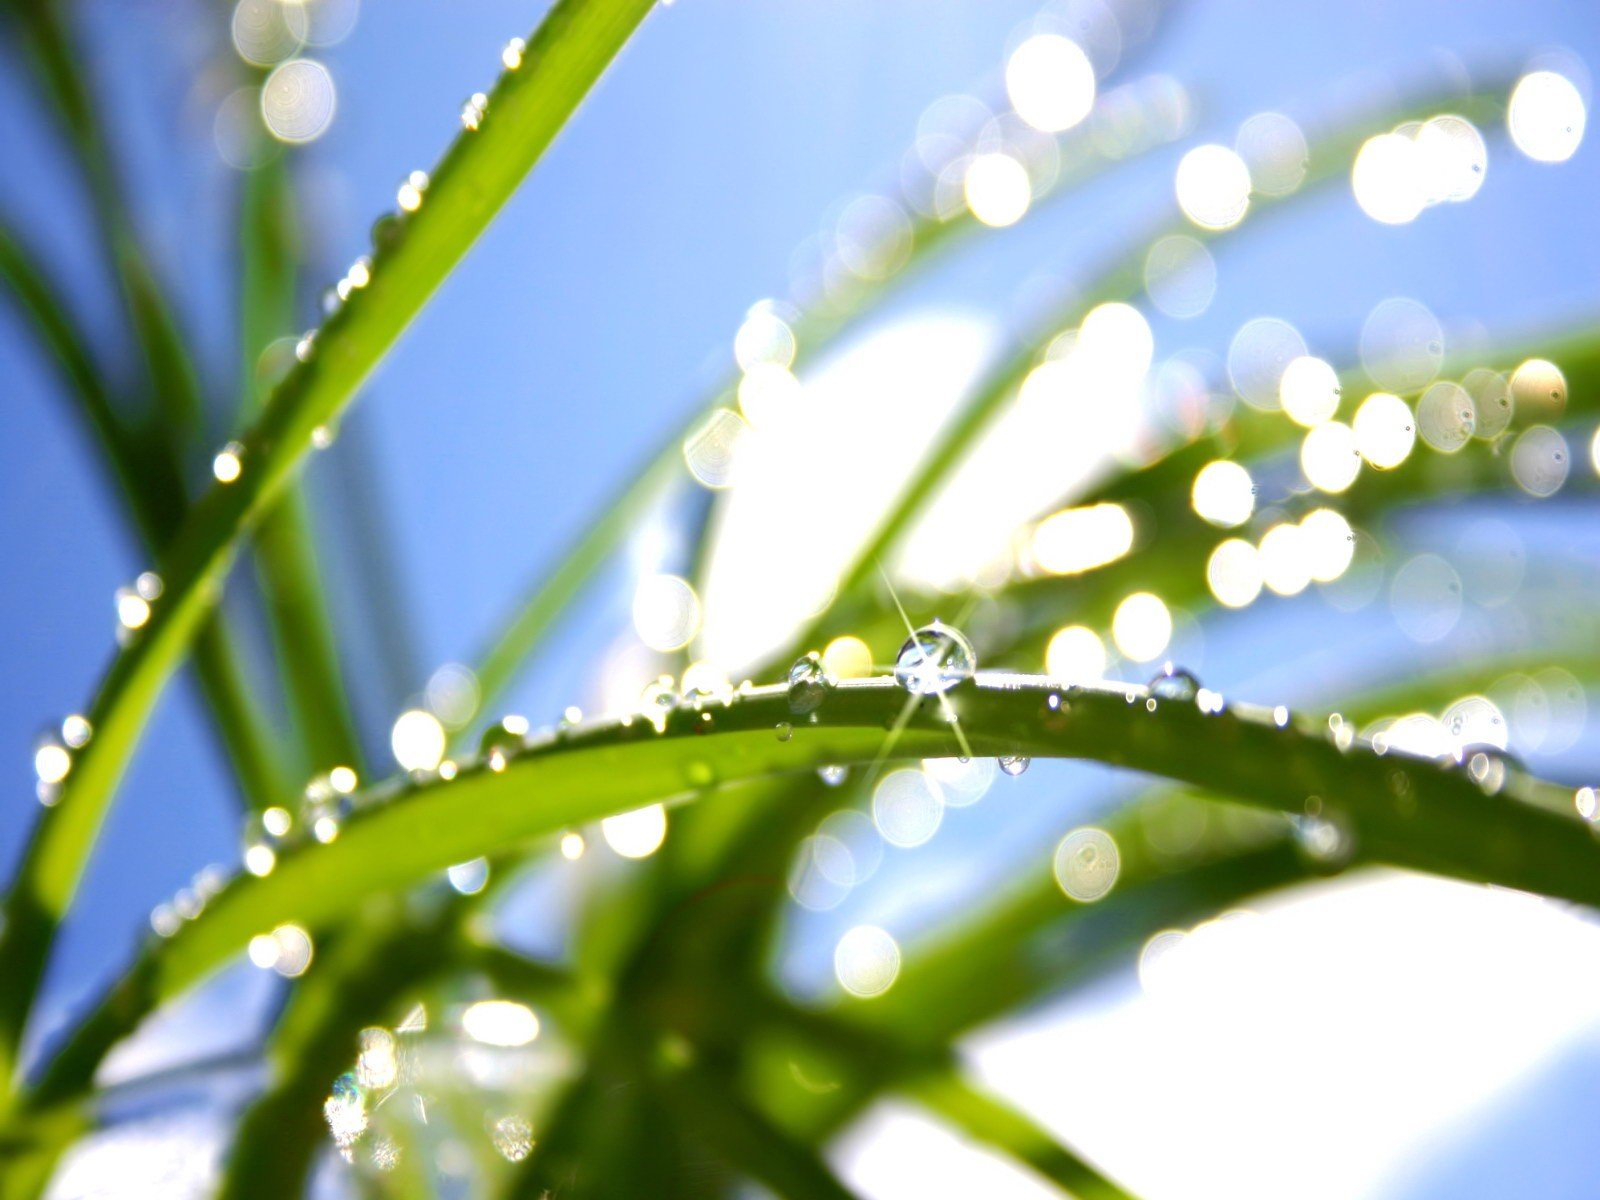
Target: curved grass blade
(562,61)
(147,478)
(1405,810)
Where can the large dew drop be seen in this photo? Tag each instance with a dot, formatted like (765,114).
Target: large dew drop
(934,659)
(809,682)
(1174,683)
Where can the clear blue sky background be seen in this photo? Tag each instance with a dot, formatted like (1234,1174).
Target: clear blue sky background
(593,313)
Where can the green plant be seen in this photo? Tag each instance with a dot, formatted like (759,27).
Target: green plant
(678,1011)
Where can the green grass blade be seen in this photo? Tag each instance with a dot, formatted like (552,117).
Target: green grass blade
(571,48)
(743,1137)
(285,545)
(1404,810)
(146,477)
(988,1119)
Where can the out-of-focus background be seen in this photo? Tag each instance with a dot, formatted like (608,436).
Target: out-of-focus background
(1389,1035)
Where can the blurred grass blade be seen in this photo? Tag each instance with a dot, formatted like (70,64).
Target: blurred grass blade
(146,478)
(986,1118)
(576,41)
(748,1141)
(285,543)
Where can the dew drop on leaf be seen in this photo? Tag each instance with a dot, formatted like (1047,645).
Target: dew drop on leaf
(934,659)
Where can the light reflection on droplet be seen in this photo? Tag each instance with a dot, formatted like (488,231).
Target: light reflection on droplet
(227,464)
(636,834)
(997,189)
(1446,418)
(1080,539)
(377,1058)
(866,961)
(1309,391)
(1180,276)
(51,763)
(511,54)
(1086,864)
(76,731)
(1213,187)
(1540,461)
(1385,430)
(764,337)
(1050,82)
(500,1023)
(1233,573)
(1546,116)
(769,394)
(1275,151)
(298,101)
(1075,655)
(907,808)
(666,612)
(572,846)
(1329,544)
(1285,559)
(133,610)
(286,950)
(469,878)
(1402,344)
(1425,598)
(1142,626)
(513,1138)
(1538,390)
(266,32)
(1329,457)
(961,783)
(711,451)
(1223,493)
(1259,355)
(848,657)
(1452,158)
(418,740)
(1388,179)
(1491,401)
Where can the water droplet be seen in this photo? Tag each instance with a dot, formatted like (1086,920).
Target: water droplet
(322,437)
(76,731)
(164,920)
(228,465)
(324,807)
(784,730)
(473,111)
(934,659)
(1174,683)
(265,834)
(572,846)
(832,774)
(386,231)
(809,683)
(657,701)
(1325,839)
(1014,764)
(306,346)
(51,762)
(1488,765)
(345,1110)
(503,741)
(1587,801)
(1280,717)
(133,610)
(409,194)
(1087,863)
(469,878)
(511,55)
(513,1138)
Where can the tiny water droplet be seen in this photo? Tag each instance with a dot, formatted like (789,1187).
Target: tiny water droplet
(511,55)
(386,232)
(832,774)
(1280,717)
(809,683)
(164,920)
(133,610)
(1488,765)
(76,731)
(324,807)
(1327,840)
(784,730)
(935,659)
(1014,764)
(306,346)
(322,437)
(1174,683)
(657,701)
(473,111)
(265,834)
(228,464)
(1587,801)
(503,741)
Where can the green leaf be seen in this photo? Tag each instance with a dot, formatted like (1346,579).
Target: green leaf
(477,175)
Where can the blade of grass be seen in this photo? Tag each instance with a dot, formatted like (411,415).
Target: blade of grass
(285,543)
(1408,811)
(573,45)
(147,479)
